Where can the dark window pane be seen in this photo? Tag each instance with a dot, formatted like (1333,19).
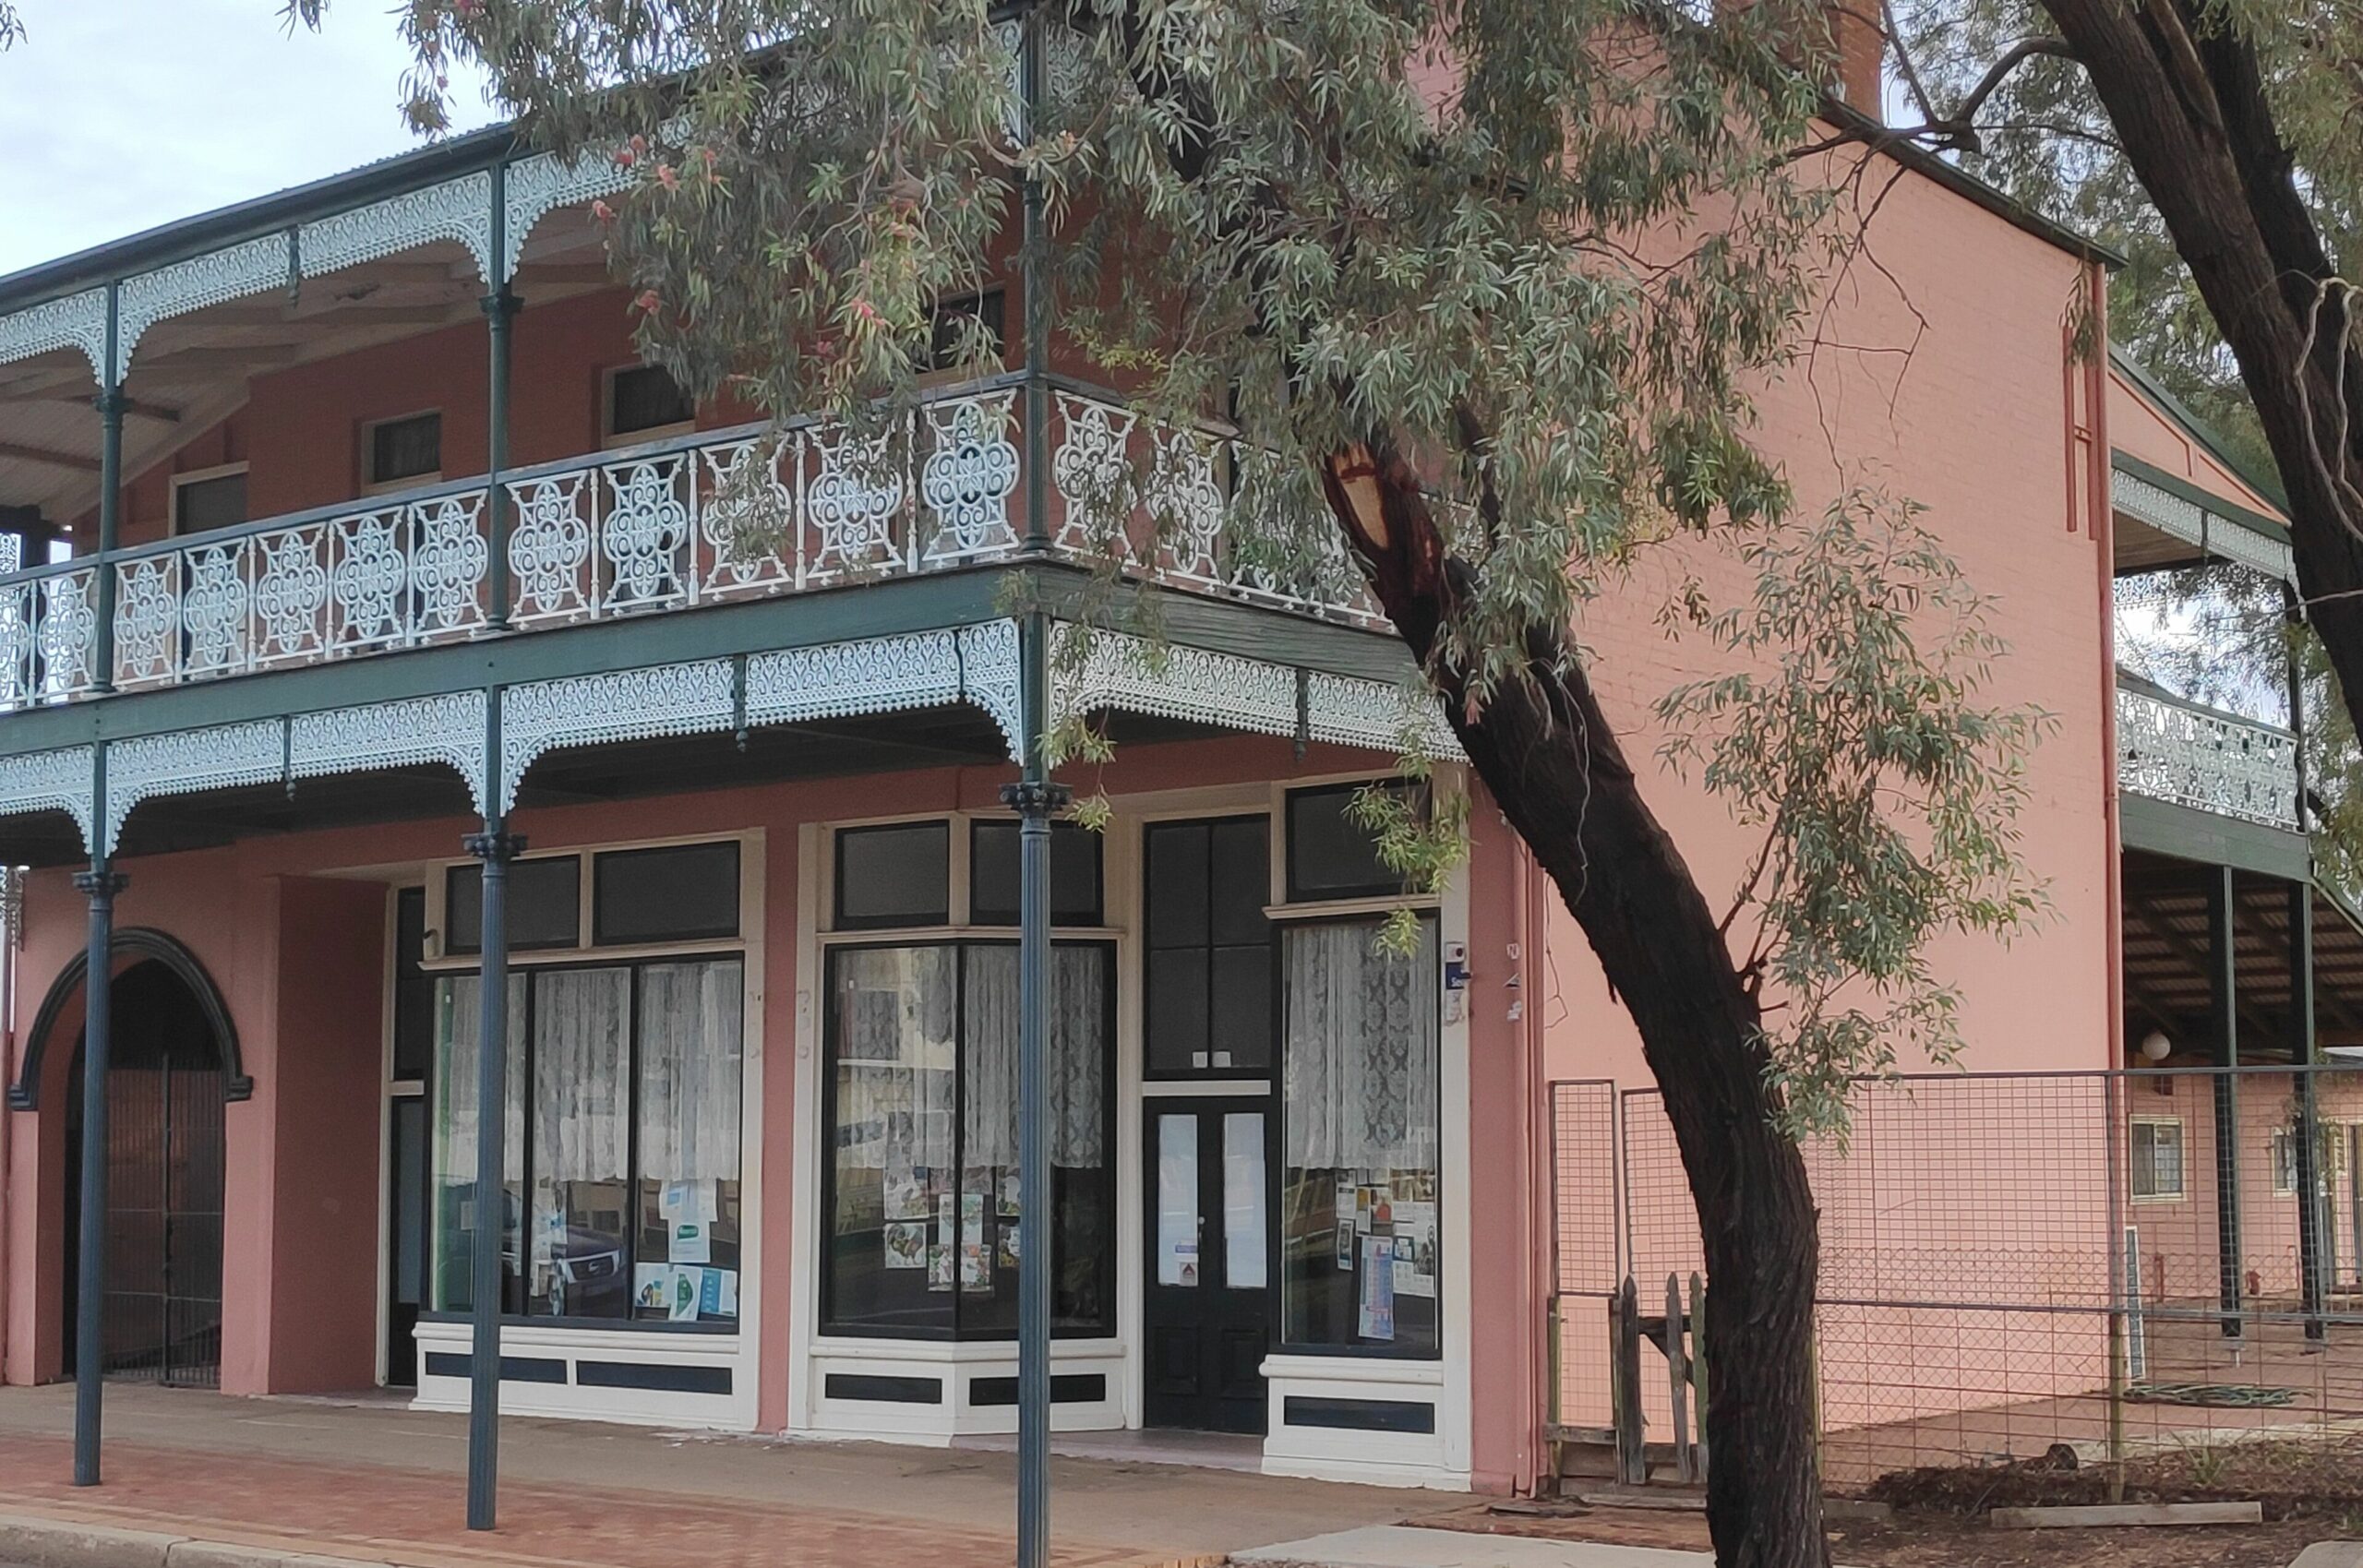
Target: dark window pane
(1241,1029)
(1330,854)
(405,448)
(993,874)
(407,1177)
(544,905)
(1177,884)
(1242,880)
(952,318)
(219,502)
(644,397)
(891,1220)
(414,988)
(896,875)
(1177,1009)
(685,893)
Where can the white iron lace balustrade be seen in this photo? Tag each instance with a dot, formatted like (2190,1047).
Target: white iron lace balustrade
(2208,760)
(711,516)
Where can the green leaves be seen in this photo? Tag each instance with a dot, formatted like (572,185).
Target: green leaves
(1849,733)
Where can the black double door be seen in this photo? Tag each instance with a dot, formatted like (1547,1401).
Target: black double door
(1206,1299)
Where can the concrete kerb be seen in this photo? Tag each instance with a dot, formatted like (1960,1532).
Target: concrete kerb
(30,1542)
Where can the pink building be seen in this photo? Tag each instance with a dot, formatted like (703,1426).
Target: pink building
(307,609)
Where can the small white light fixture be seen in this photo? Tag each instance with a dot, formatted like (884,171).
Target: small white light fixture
(2155,1046)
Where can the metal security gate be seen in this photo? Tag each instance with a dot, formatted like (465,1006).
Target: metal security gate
(165,1134)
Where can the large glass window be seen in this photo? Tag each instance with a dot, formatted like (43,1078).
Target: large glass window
(894,876)
(543,905)
(1330,854)
(1359,1161)
(925,1219)
(1209,947)
(993,874)
(621,1192)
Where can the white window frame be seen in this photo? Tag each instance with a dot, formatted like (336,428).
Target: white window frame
(2283,1164)
(197,476)
(2182,1166)
(373,485)
(611,438)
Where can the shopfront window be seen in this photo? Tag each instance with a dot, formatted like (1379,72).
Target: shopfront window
(926,1220)
(620,1199)
(1359,1146)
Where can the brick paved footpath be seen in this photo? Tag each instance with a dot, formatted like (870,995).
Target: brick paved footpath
(388,1484)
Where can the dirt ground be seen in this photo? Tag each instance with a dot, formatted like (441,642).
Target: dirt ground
(1924,1540)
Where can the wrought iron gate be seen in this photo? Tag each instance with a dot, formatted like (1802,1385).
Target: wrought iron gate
(162,1311)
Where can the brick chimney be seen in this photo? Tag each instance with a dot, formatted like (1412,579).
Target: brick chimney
(1849,50)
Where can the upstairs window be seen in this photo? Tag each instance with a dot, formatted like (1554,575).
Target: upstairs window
(2157,1159)
(402,451)
(953,318)
(215,498)
(644,401)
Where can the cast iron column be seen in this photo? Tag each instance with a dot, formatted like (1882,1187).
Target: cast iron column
(1035,798)
(495,848)
(2224,991)
(2310,1273)
(102,883)
(500,308)
(110,405)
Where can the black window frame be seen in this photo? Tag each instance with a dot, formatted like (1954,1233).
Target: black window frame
(375,429)
(1150,1070)
(177,525)
(1276,1158)
(601,858)
(1396,887)
(990,306)
(458,869)
(980,915)
(610,430)
(840,921)
(513,1285)
(825,1326)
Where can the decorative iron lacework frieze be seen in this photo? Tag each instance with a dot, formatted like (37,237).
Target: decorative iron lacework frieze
(2194,524)
(76,321)
(618,705)
(2208,762)
(883,675)
(188,762)
(1225,691)
(458,209)
(448,729)
(216,278)
(536,186)
(49,780)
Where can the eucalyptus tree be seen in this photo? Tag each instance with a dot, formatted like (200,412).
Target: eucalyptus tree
(1491,283)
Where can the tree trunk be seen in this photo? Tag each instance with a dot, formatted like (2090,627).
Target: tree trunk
(1552,761)
(2186,99)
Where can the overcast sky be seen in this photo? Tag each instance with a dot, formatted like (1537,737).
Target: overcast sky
(122,115)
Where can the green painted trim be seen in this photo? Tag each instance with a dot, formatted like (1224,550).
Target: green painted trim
(2161,827)
(2213,504)
(927,602)
(2198,429)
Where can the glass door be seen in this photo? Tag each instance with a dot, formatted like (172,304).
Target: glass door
(1206,1296)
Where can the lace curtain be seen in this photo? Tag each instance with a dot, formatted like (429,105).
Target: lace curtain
(1359,1072)
(894,1008)
(581,1070)
(457,1014)
(1078,1082)
(690,1070)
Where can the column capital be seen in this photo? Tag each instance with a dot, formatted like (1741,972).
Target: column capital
(101,883)
(1036,797)
(500,303)
(495,845)
(111,401)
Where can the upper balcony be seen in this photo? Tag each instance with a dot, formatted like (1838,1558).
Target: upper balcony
(706,517)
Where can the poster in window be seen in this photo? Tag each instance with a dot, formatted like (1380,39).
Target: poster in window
(1376,1317)
(682,1303)
(692,1242)
(1415,1248)
(906,1244)
(1345,1243)
(906,1196)
(729,1305)
(649,1281)
(939,1266)
(976,1263)
(1009,1253)
(1009,1194)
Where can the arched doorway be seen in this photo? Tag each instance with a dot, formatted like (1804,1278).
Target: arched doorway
(165,1091)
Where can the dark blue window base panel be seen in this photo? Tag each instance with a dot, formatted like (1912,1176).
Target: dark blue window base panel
(1071,1388)
(1359,1415)
(513,1368)
(884,1390)
(662,1379)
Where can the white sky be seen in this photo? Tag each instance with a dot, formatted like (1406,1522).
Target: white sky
(122,115)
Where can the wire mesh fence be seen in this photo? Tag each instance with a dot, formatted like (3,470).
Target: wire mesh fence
(2157,1271)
